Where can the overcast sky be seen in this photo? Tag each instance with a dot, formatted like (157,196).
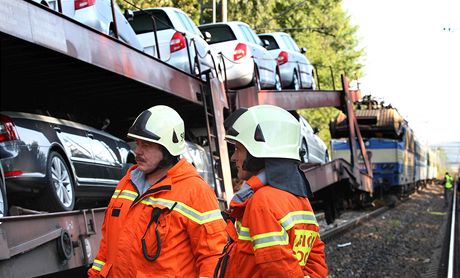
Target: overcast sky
(412,62)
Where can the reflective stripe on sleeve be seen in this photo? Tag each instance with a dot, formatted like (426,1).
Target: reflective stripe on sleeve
(189,212)
(262,240)
(97,265)
(115,193)
(125,194)
(270,239)
(298,217)
(277,238)
(243,232)
(128,194)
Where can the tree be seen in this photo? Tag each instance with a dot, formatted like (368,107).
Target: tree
(192,8)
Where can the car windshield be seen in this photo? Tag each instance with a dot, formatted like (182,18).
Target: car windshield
(272,44)
(142,22)
(219,33)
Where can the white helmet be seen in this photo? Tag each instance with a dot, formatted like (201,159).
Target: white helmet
(162,125)
(266,131)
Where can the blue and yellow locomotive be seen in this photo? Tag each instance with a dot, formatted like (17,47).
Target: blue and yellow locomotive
(400,163)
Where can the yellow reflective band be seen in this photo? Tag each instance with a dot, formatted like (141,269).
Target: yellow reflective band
(189,212)
(97,265)
(243,232)
(270,239)
(128,194)
(298,217)
(115,194)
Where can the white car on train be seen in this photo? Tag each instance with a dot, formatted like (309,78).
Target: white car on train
(244,55)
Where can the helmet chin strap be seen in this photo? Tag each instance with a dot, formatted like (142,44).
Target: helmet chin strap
(167,162)
(253,164)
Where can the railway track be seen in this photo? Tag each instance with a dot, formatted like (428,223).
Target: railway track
(419,237)
(348,225)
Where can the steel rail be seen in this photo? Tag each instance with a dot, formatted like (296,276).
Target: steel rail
(340,229)
(451,258)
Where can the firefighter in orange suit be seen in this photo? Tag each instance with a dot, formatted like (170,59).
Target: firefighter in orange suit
(163,219)
(276,233)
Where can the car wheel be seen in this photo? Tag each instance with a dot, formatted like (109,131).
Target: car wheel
(3,200)
(59,194)
(295,81)
(196,70)
(256,78)
(304,151)
(44,3)
(326,157)
(312,85)
(278,86)
(220,73)
(112,30)
(196,65)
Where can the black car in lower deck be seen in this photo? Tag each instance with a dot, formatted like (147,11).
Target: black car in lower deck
(53,164)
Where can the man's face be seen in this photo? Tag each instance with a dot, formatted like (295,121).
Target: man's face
(148,155)
(238,157)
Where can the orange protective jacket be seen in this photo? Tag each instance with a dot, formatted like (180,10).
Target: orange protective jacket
(276,235)
(190,226)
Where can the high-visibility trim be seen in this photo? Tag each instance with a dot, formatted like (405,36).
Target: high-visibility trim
(303,244)
(128,194)
(189,212)
(243,232)
(97,265)
(115,193)
(277,238)
(270,239)
(298,217)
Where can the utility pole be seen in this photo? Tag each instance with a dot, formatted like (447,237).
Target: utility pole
(214,11)
(224,10)
(205,5)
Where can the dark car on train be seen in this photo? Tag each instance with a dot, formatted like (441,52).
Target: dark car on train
(55,164)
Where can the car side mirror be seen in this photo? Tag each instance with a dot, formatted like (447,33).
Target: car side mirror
(129,15)
(303,50)
(315,130)
(207,36)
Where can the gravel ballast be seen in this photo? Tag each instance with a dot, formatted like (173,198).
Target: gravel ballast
(398,243)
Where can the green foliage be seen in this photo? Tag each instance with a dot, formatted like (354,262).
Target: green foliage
(192,8)
(442,166)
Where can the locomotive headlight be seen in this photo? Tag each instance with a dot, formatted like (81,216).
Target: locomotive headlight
(387,166)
